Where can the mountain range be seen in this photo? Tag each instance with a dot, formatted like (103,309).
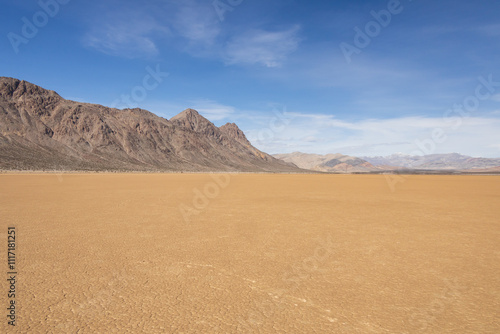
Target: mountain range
(450,161)
(40,130)
(336,163)
(328,163)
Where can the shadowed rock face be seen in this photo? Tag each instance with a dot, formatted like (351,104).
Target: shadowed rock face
(41,130)
(232,131)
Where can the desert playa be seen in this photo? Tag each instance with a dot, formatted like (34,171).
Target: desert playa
(253,253)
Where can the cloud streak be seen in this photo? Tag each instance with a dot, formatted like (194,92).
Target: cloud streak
(213,111)
(196,22)
(268,48)
(126,35)
(191,27)
(315,133)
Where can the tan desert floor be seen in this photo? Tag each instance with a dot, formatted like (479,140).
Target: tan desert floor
(122,253)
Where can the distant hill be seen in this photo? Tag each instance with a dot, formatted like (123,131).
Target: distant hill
(451,161)
(39,130)
(328,163)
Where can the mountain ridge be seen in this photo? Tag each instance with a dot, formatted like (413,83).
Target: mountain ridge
(448,161)
(40,130)
(394,163)
(327,163)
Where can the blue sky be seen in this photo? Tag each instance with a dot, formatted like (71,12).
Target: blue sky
(353,77)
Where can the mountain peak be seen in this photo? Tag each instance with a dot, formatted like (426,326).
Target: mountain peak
(192,120)
(188,113)
(12,88)
(233,131)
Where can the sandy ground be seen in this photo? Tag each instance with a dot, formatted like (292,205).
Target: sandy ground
(187,253)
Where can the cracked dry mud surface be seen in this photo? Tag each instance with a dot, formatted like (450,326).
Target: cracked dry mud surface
(116,253)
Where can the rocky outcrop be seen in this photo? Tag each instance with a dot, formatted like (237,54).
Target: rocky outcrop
(39,130)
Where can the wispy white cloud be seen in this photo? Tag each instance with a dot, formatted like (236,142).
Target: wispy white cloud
(268,48)
(483,29)
(496,97)
(490,30)
(138,31)
(376,85)
(191,26)
(323,134)
(196,22)
(126,35)
(285,131)
(434,30)
(212,110)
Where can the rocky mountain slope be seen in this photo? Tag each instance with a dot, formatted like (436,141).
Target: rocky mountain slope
(451,161)
(39,130)
(327,163)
